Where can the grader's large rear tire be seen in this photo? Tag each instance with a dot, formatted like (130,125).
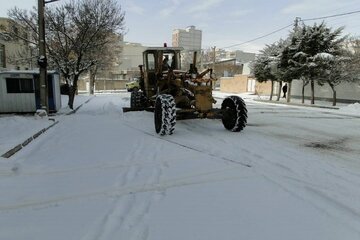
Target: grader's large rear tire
(165,114)
(234,113)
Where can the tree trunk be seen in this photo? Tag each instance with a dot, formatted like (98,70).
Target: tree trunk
(303,94)
(92,87)
(272,90)
(305,82)
(312,91)
(279,91)
(72,92)
(93,72)
(334,93)
(91,83)
(288,97)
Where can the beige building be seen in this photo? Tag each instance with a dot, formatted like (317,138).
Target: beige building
(225,67)
(241,56)
(123,68)
(131,58)
(15,53)
(189,38)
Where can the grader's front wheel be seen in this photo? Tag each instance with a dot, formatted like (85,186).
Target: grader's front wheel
(234,113)
(165,114)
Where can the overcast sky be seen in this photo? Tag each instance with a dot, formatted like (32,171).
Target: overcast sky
(223,22)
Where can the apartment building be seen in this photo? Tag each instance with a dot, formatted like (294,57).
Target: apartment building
(189,38)
(131,56)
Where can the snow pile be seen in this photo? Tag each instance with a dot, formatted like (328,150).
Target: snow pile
(352,108)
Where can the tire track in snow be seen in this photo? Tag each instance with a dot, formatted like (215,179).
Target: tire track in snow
(199,178)
(122,205)
(323,182)
(320,200)
(277,171)
(190,148)
(304,182)
(135,223)
(95,168)
(125,219)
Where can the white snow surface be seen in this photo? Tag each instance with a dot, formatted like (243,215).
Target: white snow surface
(101,174)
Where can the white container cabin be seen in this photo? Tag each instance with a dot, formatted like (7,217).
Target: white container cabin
(20,91)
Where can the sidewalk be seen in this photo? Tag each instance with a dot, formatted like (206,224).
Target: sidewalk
(340,108)
(18,130)
(297,102)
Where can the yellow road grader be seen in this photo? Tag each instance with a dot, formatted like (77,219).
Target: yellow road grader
(175,94)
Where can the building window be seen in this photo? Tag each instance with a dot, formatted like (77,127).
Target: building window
(19,85)
(16,32)
(2,56)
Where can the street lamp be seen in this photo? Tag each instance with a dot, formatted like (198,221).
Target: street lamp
(42,60)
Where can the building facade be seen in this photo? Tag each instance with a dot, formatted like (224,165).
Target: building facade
(131,58)
(15,53)
(189,39)
(241,56)
(123,68)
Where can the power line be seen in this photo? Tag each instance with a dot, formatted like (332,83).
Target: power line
(308,19)
(260,36)
(331,16)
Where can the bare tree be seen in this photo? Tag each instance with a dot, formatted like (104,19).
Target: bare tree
(75,31)
(107,58)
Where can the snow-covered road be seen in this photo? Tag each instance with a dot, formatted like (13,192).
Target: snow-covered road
(293,173)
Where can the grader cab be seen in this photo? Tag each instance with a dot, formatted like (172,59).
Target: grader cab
(176,94)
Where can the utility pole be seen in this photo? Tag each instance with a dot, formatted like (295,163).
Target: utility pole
(214,60)
(214,57)
(296,27)
(42,61)
(296,23)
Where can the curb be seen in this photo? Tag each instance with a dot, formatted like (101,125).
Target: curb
(17,148)
(296,104)
(76,109)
